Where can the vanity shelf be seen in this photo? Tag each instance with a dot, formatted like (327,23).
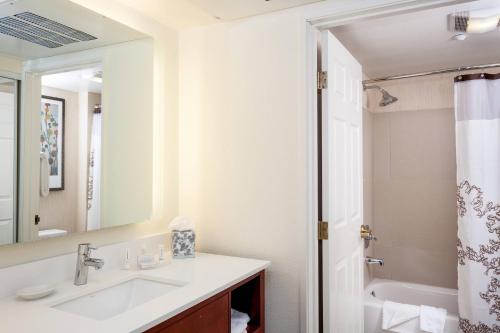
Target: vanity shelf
(214,314)
(248,297)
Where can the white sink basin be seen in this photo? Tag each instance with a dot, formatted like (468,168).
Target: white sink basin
(109,302)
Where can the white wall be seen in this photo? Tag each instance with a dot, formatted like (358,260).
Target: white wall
(10,65)
(243,149)
(165,146)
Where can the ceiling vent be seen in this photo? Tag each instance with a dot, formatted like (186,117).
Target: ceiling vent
(458,21)
(40,30)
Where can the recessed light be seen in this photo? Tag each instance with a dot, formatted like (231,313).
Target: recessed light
(7,2)
(459,37)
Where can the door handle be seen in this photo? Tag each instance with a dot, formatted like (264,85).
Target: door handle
(367,235)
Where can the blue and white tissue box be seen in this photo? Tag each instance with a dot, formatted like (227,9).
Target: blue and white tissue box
(183,242)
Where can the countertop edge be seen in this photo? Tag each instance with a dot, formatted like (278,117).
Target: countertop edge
(197,301)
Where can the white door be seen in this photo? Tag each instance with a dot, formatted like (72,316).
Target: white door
(7,160)
(342,188)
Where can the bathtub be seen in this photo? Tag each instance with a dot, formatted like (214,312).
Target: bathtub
(410,293)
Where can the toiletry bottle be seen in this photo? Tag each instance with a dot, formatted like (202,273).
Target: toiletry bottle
(126,262)
(161,252)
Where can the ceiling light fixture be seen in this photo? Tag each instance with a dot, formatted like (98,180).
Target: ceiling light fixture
(94,77)
(7,2)
(480,25)
(474,22)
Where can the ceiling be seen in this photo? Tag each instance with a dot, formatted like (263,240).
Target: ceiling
(185,13)
(173,13)
(67,13)
(74,80)
(227,10)
(417,42)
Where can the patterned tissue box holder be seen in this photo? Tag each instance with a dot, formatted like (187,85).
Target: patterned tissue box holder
(183,243)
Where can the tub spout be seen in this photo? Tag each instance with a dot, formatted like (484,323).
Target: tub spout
(374,261)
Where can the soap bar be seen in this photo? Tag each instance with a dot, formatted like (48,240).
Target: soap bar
(148,265)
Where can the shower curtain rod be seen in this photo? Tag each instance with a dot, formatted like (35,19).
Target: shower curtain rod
(439,71)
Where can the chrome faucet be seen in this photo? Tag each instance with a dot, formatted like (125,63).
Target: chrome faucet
(374,261)
(83,261)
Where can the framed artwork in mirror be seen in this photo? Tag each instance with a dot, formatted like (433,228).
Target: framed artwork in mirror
(52,139)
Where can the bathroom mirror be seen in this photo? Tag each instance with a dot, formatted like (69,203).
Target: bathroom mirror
(76,121)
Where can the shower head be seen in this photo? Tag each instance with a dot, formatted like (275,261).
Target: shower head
(386,97)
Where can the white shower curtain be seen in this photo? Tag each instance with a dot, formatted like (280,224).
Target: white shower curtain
(94,182)
(477,112)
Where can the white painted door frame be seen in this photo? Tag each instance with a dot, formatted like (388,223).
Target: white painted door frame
(316,18)
(29,157)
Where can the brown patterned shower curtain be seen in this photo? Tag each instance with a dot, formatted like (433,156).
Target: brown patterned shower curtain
(477,113)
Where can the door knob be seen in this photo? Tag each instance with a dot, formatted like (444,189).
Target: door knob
(367,235)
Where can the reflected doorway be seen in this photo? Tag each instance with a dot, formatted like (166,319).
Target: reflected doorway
(8,160)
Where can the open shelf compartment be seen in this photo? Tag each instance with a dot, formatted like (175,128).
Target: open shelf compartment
(248,297)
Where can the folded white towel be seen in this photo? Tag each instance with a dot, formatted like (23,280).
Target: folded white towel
(239,321)
(401,318)
(238,327)
(432,319)
(239,316)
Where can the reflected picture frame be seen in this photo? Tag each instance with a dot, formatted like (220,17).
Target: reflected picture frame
(52,116)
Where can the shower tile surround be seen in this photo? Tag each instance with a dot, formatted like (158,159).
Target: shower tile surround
(414,181)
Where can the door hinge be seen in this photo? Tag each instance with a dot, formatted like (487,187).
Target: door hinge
(37,219)
(322,80)
(323,230)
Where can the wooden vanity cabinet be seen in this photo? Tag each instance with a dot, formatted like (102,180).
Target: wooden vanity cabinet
(214,314)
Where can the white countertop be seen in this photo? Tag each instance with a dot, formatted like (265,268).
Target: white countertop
(206,275)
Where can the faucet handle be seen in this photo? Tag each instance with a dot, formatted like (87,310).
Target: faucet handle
(85,248)
(374,261)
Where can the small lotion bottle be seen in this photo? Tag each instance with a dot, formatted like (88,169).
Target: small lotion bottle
(161,253)
(126,262)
